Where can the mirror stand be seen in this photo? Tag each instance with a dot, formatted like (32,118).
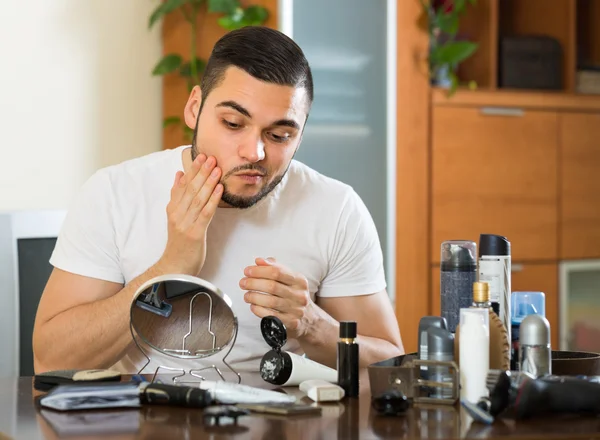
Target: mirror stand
(165,306)
(194,372)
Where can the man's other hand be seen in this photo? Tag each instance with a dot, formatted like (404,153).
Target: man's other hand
(273,289)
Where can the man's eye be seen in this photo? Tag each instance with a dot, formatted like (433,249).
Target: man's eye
(231,125)
(279,139)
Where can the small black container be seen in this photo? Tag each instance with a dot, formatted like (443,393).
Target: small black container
(348,361)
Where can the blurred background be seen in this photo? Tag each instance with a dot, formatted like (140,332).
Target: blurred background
(450,119)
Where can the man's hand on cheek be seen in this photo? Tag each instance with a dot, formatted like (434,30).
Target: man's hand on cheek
(273,289)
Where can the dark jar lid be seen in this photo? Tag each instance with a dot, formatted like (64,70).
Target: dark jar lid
(273,331)
(276,367)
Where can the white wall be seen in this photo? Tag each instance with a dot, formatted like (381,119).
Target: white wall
(76,94)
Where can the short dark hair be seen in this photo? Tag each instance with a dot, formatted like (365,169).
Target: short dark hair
(266,54)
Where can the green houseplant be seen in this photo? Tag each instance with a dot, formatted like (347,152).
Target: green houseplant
(446,50)
(231,15)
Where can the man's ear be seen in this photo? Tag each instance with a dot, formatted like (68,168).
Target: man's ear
(192,107)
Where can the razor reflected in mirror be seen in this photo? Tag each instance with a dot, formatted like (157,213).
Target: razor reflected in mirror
(186,319)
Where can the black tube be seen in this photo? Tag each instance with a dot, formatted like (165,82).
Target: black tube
(348,360)
(173,395)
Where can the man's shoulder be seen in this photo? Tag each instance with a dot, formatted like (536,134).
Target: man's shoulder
(310,189)
(149,171)
(126,181)
(316,185)
(148,163)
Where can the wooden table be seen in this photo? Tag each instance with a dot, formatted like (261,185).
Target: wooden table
(350,419)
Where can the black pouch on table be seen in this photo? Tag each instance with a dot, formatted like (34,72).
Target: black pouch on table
(48,380)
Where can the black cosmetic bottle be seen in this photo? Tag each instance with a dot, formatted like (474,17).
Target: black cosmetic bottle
(347,362)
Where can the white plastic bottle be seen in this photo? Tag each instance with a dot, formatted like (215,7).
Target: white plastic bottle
(474,353)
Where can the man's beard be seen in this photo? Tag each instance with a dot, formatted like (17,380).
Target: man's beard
(242,202)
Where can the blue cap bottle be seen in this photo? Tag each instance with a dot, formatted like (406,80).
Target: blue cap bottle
(523,304)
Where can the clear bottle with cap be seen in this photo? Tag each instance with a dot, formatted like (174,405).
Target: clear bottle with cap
(523,304)
(499,345)
(535,353)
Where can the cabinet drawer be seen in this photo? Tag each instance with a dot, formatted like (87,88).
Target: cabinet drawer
(495,171)
(580,185)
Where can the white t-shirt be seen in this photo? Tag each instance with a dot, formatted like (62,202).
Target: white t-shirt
(117,228)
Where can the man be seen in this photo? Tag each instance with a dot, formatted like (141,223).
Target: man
(234,209)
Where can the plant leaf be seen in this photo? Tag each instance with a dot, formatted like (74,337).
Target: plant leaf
(256,15)
(186,68)
(453,52)
(168,64)
(232,21)
(251,16)
(459,5)
(226,6)
(448,23)
(171,120)
(163,9)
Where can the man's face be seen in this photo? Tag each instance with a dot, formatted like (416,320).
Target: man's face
(252,128)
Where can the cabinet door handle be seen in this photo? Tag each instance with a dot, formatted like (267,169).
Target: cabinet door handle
(502,111)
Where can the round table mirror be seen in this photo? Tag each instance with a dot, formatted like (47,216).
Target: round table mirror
(185,318)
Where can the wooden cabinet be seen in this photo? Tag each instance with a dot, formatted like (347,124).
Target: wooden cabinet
(579,185)
(495,171)
(525,277)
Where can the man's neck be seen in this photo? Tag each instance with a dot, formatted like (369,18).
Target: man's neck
(186,159)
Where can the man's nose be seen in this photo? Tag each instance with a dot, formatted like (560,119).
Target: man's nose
(252,149)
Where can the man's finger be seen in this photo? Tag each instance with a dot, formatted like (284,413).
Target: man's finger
(179,188)
(266,301)
(265,285)
(195,184)
(261,312)
(210,208)
(273,271)
(203,196)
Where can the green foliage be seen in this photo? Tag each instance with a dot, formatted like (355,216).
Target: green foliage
(231,16)
(163,9)
(446,52)
(252,16)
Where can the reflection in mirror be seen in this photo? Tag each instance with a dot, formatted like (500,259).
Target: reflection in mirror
(184,318)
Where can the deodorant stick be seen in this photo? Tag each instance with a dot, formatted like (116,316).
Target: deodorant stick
(535,354)
(458,272)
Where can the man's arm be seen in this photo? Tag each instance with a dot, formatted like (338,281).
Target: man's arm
(83,323)
(355,271)
(378,338)
(316,325)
